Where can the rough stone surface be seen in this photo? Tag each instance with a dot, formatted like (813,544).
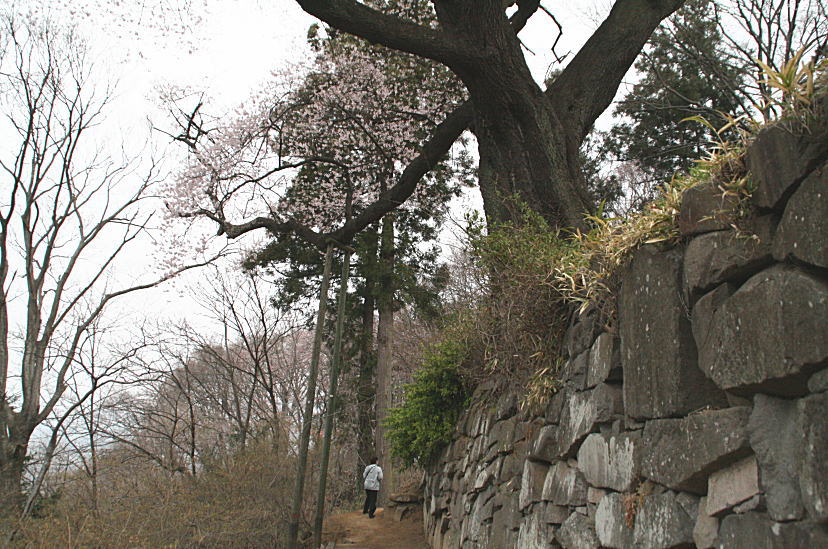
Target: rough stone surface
(756,531)
(724,256)
(732,485)
(661,377)
(804,226)
(818,382)
(705,207)
(577,532)
(814,474)
(778,160)
(610,522)
(533,533)
(681,453)
(775,435)
(531,485)
(611,461)
(604,360)
(564,485)
(581,415)
(662,522)
(770,335)
(555,514)
(574,372)
(705,308)
(582,332)
(706,529)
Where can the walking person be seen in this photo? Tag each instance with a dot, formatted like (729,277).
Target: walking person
(372,477)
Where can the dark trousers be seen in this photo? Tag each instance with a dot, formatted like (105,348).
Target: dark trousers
(370,506)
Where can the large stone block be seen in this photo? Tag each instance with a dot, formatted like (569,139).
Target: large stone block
(661,377)
(582,414)
(725,256)
(756,530)
(770,335)
(775,434)
(779,159)
(732,485)
(578,532)
(706,529)
(662,522)
(531,485)
(604,360)
(610,522)
(533,533)
(611,461)
(682,453)
(814,474)
(804,227)
(706,207)
(574,372)
(705,308)
(564,485)
(580,335)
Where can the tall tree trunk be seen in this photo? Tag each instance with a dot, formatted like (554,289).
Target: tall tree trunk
(385,327)
(307,417)
(366,391)
(12,461)
(336,362)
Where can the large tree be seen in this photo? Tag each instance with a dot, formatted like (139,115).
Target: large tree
(529,138)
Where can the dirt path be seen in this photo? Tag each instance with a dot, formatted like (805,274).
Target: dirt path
(356,531)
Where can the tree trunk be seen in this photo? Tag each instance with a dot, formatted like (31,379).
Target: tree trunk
(385,326)
(12,459)
(528,138)
(366,391)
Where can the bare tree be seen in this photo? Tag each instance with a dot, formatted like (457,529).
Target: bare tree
(66,214)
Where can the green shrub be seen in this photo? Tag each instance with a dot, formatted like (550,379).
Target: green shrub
(422,426)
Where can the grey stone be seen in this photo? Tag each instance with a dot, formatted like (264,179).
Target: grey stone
(581,415)
(555,514)
(681,453)
(546,445)
(818,382)
(531,485)
(778,160)
(756,503)
(577,532)
(706,529)
(594,495)
(604,360)
(610,522)
(724,256)
(556,404)
(662,523)
(813,480)
(507,406)
(706,207)
(775,435)
(770,335)
(533,532)
(804,226)
(574,372)
(564,485)
(732,485)
(582,332)
(705,308)
(611,461)
(756,531)
(661,377)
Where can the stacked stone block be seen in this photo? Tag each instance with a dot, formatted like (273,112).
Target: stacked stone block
(699,420)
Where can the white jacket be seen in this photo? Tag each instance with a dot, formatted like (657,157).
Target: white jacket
(372,476)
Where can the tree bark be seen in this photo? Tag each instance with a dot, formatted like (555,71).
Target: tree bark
(310,397)
(366,390)
(385,326)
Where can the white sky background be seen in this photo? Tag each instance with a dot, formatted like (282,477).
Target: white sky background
(226,48)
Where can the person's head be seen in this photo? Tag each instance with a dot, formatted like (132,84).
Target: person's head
(373,461)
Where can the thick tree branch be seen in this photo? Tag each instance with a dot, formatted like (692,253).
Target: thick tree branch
(588,84)
(387,30)
(442,138)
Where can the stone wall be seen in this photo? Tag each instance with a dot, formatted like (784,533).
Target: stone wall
(699,419)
